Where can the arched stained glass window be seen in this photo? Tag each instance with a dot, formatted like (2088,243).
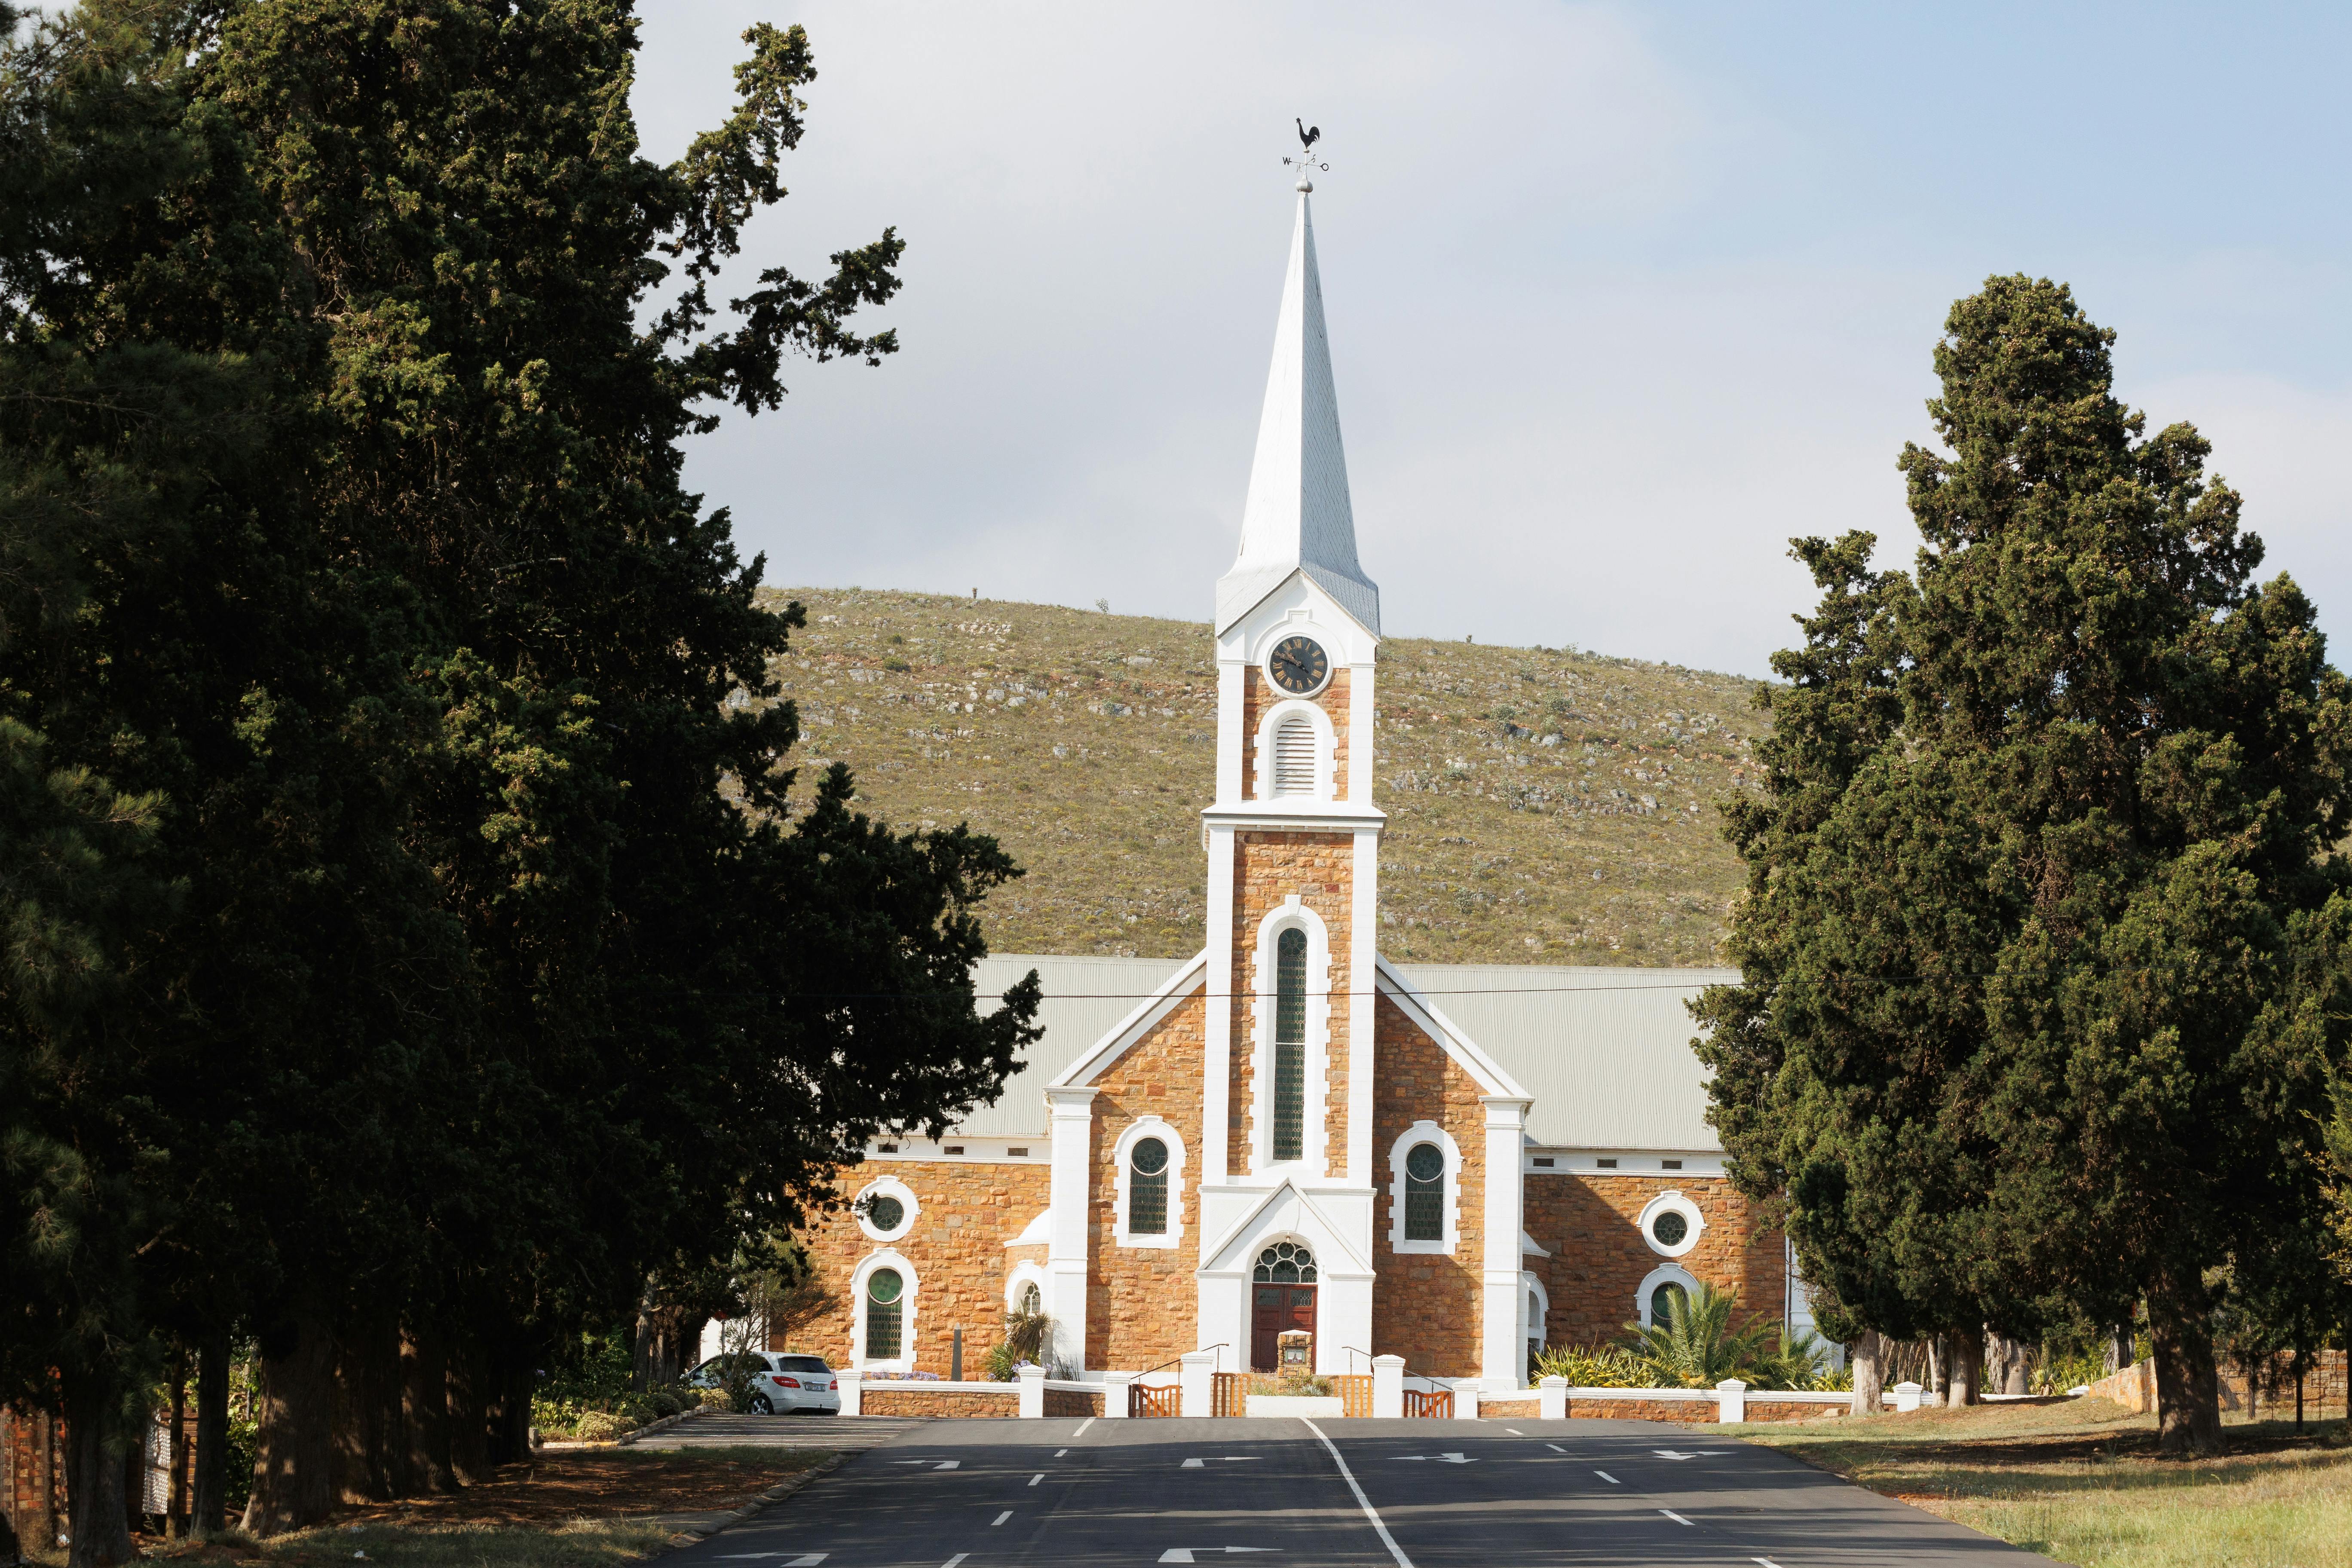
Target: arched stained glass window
(1290,1045)
(1284,1262)
(1424,1194)
(884,1314)
(1032,1301)
(1147,1188)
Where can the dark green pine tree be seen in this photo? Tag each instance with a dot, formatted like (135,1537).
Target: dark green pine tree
(510,964)
(2042,915)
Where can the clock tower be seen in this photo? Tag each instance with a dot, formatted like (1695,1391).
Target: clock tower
(1292,837)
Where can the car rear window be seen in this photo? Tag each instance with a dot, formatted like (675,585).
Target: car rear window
(802,1364)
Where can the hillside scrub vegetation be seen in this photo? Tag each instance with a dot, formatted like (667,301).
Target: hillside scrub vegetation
(1545,806)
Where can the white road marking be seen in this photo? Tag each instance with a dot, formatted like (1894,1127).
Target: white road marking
(1678,1518)
(1083,1425)
(1035,1479)
(1515,1431)
(952,1561)
(1450,1458)
(806,1560)
(1193,1465)
(1766,1561)
(1605,1475)
(949,1465)
(1059,1452)
(1001,1518)
(1361,1500)
(1223,1459)
(1184,1553)
(1555,1448)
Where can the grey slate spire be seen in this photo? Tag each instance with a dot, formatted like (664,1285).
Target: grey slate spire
(1298,518)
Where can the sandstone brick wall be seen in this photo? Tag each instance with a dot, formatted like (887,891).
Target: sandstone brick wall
(1068,1402)
(966,1211)
(1599,1256)
(914,1399)
(1268,867)
(1141,1301)
(1685,1412)
(1425,1306)
(1258,694)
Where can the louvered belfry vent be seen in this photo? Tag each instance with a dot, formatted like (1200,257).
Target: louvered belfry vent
(1294,756)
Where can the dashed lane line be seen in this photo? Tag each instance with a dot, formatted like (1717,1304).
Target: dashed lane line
(1678,1518)
(1605,1475)
(952,1561)
(1767,1562)
(1361,1500)
(1082,1427)
(1035,1479)
(1059,1452)
(1555,1448)
(1001,1518)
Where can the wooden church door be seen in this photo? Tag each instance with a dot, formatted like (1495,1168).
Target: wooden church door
(1282,1297)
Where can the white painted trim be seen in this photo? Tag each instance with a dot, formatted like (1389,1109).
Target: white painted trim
(1217,1005)
(1326,748)
(1335,1253)
(909,1299)
(1144,1127)
(1450,1237)
(1539,1330)
(1232,676)
(1038,1231)
(1123,1036)
(1492,1078)
(1363,1003)
(1363,718)
(1069,1247)
(1023,1274)
(1666,1274)
(1671,1201)
(887,1187)
(1504,1362)
(1264,962)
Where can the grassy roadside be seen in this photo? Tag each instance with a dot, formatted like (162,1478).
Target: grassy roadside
(2081,1482)
(580,1509)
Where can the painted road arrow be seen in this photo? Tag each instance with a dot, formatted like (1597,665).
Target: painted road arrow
(1696,1454)
(1441,1459)
(1224,1459)
(1184,1553)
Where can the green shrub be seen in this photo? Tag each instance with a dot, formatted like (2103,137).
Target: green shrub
(716,1399)
(600,1425)
(665,1402)
(1596,1366)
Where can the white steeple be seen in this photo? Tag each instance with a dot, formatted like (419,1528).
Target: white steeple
(1298,518)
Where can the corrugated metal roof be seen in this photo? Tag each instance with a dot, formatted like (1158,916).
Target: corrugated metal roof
(1605,1052)
(1085,1000)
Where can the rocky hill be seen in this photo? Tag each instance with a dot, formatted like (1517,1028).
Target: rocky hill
(1545,806)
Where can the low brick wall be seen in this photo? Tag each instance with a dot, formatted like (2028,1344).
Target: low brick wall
(1688,1411)
(884,1399)
(1068,1402)
(1764,1408)
(1497,1409)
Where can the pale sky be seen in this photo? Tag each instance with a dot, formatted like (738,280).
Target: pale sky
(1621,297)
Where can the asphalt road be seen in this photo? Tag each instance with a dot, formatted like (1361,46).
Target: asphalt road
(1629,1494)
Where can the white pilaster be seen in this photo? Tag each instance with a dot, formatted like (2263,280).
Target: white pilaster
(1231,678)
(1362,717)
(1388,1387)
(1217,1025)
(1503,1363)
(1072,1111)
(1364,974)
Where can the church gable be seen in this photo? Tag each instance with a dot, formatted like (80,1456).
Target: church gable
(1142,1207)
(1427,1298)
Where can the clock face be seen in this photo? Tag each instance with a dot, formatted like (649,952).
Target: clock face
(1299,666)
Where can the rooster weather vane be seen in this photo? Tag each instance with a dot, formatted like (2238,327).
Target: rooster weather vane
(1308,136)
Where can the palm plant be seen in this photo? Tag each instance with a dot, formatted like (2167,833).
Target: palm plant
(1696,1346)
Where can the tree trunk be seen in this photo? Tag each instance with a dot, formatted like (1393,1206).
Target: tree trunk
(1938,1369)
(176,1498)
(2188,1384)
(1963,1349)
(293,1460)
(2009,1365)
(469,1414)
(207,1507)
(367,1399)
(661,1346)
(2119,1348)
(1869,1373)
(424,1416)
(97,1440)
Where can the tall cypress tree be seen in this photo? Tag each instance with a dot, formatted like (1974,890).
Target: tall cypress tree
(2042,911)
(510,961)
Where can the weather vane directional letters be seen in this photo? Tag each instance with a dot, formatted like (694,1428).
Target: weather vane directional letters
(1308,136)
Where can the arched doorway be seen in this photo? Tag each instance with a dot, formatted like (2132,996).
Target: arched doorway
(1282,1297)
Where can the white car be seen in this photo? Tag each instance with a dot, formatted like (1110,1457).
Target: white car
(778,1382)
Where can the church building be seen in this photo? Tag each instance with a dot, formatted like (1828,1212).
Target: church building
(1457,1164)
